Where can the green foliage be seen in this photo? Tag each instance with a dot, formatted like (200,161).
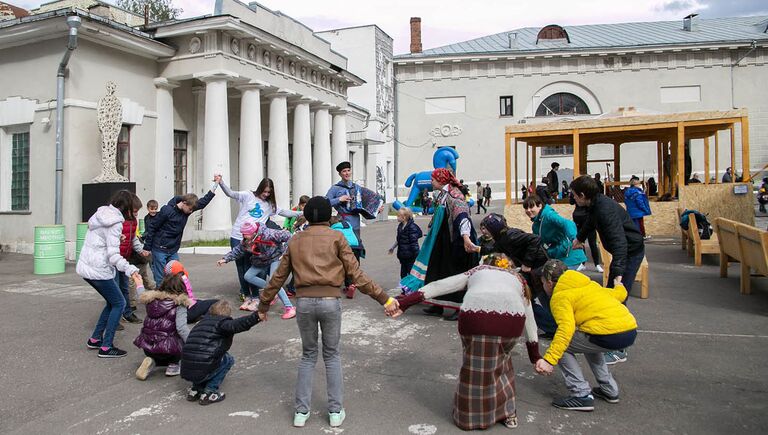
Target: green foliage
(159,10)
(222,242)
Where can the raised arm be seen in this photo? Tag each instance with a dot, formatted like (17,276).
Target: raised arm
(240,196)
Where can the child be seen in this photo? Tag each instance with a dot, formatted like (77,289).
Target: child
(265,246)
(165,327)
(300,224)
(591,320)
(196,308)
(129,244)
(152,208)
(289,222)
(143,260)
(205,360)
(320,258)
(637,204)
(345,228)
(407,243)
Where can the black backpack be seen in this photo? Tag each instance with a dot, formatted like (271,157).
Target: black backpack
(705,229)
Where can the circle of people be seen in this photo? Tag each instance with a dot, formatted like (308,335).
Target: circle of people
(503,284)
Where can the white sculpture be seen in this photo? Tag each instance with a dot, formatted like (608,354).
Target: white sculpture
(109,113)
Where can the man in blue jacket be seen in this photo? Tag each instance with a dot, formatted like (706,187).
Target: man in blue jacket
(163,236)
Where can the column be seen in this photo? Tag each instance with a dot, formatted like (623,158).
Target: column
(217,215)
(339,150)
(321,156)
(302,149)
(164,187)
(277,159)
(251,160)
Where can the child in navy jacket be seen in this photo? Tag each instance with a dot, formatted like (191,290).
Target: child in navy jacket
(407,244)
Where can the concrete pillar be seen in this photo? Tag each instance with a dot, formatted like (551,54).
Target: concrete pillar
(302,149)
(321,157)
(164,187)
(251,160)
(277,159)
(217,215)
(339,150)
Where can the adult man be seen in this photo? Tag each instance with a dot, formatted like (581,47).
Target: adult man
(487,195)
(728,176)
(163,236)
(620,236)
(480,198)
(553,182)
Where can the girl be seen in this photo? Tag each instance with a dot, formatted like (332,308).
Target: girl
(196,308)
(344,227)
(98,259)
(407,243)
(555,232)
(637,204)
(255,206)
(129,244)
(495,313)
(165,328)
(265,246)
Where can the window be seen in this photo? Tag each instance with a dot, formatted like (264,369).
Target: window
(179,162)
(20,171)
(505,106)
(123,158)
(553,31)
(562,103)
(558,150)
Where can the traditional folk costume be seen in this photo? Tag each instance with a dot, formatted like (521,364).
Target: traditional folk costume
(495,313)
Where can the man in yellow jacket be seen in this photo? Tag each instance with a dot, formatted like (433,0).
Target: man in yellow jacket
(591,320)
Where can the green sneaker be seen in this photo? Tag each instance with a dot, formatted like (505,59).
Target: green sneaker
(299,419)
(337,418)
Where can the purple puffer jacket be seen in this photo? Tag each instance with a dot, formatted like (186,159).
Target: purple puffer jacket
(159,335)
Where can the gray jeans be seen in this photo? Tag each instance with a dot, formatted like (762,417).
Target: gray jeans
(325,312)
(574,378)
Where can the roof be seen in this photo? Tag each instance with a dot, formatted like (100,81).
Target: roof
(605,36)
(9,11)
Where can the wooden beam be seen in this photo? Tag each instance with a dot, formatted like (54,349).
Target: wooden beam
(617,162)
(577,169)
(534,176)
(514,144)
(706,160)
(717,155)
(507,175)
(680,155)
(600,161)
(659,165)
(621,128)
(745,148)
(527,166)
(710,122)
(733,154)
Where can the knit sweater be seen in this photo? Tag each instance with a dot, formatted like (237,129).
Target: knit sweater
(495,304)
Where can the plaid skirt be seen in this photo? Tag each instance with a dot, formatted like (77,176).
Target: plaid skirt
(486,391)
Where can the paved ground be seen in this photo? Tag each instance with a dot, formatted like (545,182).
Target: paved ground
(698,365)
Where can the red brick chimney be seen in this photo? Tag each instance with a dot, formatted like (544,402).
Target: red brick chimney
(415,35)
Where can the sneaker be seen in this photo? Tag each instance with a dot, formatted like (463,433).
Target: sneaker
(112,352)
(581,267)
(172,370)
(193,395)
(246,303)
(91,344)
(209,397)
(584,403)
(615,356)
(300,419)
(145,368)
(132,318)
(290,313)
(511,422)
(254,305)
(599,268)
(242,297)
(337,418)
(600,394)
(647,238)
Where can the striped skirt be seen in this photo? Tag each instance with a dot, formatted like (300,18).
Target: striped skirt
(486,391)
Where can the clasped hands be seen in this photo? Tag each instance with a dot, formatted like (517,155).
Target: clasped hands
(542,367)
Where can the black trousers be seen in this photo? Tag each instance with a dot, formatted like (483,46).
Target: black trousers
(580,218)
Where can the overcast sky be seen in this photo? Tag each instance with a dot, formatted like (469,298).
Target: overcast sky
(449,21)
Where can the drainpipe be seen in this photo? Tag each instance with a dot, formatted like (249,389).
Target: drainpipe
(396,123)
(74,23)
(752,48)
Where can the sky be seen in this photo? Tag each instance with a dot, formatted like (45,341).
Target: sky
(449,21)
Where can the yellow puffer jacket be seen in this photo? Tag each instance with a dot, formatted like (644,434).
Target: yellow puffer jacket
(578,302)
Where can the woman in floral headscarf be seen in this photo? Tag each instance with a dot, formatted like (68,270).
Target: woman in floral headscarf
(449,246)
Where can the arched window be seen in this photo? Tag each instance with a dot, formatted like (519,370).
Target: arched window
(552,31)
(562,103)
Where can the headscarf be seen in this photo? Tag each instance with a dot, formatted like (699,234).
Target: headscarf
(444,176)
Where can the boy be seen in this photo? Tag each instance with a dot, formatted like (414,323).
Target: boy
(205,359)
(291,221)
(152,209)
(140,261)
(591,320)
(320,258)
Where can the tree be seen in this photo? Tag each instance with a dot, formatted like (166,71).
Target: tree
(159,10)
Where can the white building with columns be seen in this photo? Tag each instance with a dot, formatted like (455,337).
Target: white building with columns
(246,92)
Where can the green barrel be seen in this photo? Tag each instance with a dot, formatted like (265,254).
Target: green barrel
(82,230)
(49,249)
(141,227)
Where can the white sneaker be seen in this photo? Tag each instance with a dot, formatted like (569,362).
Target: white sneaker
(599,268)
(173,370)
(581,267)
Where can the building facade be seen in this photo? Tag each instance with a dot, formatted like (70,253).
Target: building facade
(464,94)
(246,92)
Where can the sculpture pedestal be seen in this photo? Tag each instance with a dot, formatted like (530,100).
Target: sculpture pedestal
(97,194)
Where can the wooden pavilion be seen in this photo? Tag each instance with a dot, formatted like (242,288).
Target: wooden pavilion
(669,132)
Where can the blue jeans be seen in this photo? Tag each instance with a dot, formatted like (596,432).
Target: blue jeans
(213,381)
(630,272)
(159,260)
(254,277)
(110,315)
(122,283)
(242,263)
(326,313)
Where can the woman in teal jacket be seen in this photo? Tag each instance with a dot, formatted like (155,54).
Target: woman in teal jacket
(556,232)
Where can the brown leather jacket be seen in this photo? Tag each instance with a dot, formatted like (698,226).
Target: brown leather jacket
(320,258)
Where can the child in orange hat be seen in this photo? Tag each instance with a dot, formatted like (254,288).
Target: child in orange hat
(197,307)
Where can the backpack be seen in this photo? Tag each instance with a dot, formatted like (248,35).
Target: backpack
(704,227)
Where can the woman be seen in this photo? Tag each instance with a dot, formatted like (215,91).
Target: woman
(99,257)
(449,247)
(256,206)
(495,313)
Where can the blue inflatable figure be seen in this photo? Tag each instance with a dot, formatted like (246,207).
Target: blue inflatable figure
(443,158)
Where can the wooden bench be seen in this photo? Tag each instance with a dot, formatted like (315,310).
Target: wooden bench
(745,244)
(728,236)
(685,241)
(700,247)
(642,272)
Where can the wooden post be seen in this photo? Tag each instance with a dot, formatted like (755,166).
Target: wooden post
(745,148)
(507,172)
(659,166)
(680,156)
(517,191)
(527,166)
(717,154)
(706,160)
(577,164)
(534,177)
(733,154)
(617,162)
